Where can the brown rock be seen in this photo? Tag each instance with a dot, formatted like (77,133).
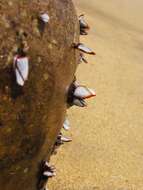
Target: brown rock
(31,117)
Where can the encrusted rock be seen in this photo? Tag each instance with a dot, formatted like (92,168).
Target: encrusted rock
(31,116)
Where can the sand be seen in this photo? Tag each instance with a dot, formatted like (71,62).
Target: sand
(107,148)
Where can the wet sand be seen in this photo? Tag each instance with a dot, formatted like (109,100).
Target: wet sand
(107,148)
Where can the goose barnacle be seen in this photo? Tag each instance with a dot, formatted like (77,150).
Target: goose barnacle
(83,32)
(83,25)
(62,139)
(83,92)
(44,17)
(48,170)
(78,93)
(66,139)
(72,100)
(66,124)
(81,47)
(79,102)
(82,58)
(49,174)
(21,67)
(48,166)
(58,142)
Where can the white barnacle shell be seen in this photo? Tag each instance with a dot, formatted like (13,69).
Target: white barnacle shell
(66,139)
(45,17)
(50,167)
(83,24)
(82,58)
(83,32)
(79,102)
(21,67)
(47,164)
(66,124)
(84,48)
(49,174)
(83,92)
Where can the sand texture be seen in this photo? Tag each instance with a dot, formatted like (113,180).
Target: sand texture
(107,148)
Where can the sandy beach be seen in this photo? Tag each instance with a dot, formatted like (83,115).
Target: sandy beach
(107,148)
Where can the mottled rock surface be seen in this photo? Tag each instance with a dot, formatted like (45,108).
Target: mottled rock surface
(31,117)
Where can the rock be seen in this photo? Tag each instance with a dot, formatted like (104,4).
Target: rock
(31,116)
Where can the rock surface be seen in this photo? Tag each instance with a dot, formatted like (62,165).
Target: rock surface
(31,116)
